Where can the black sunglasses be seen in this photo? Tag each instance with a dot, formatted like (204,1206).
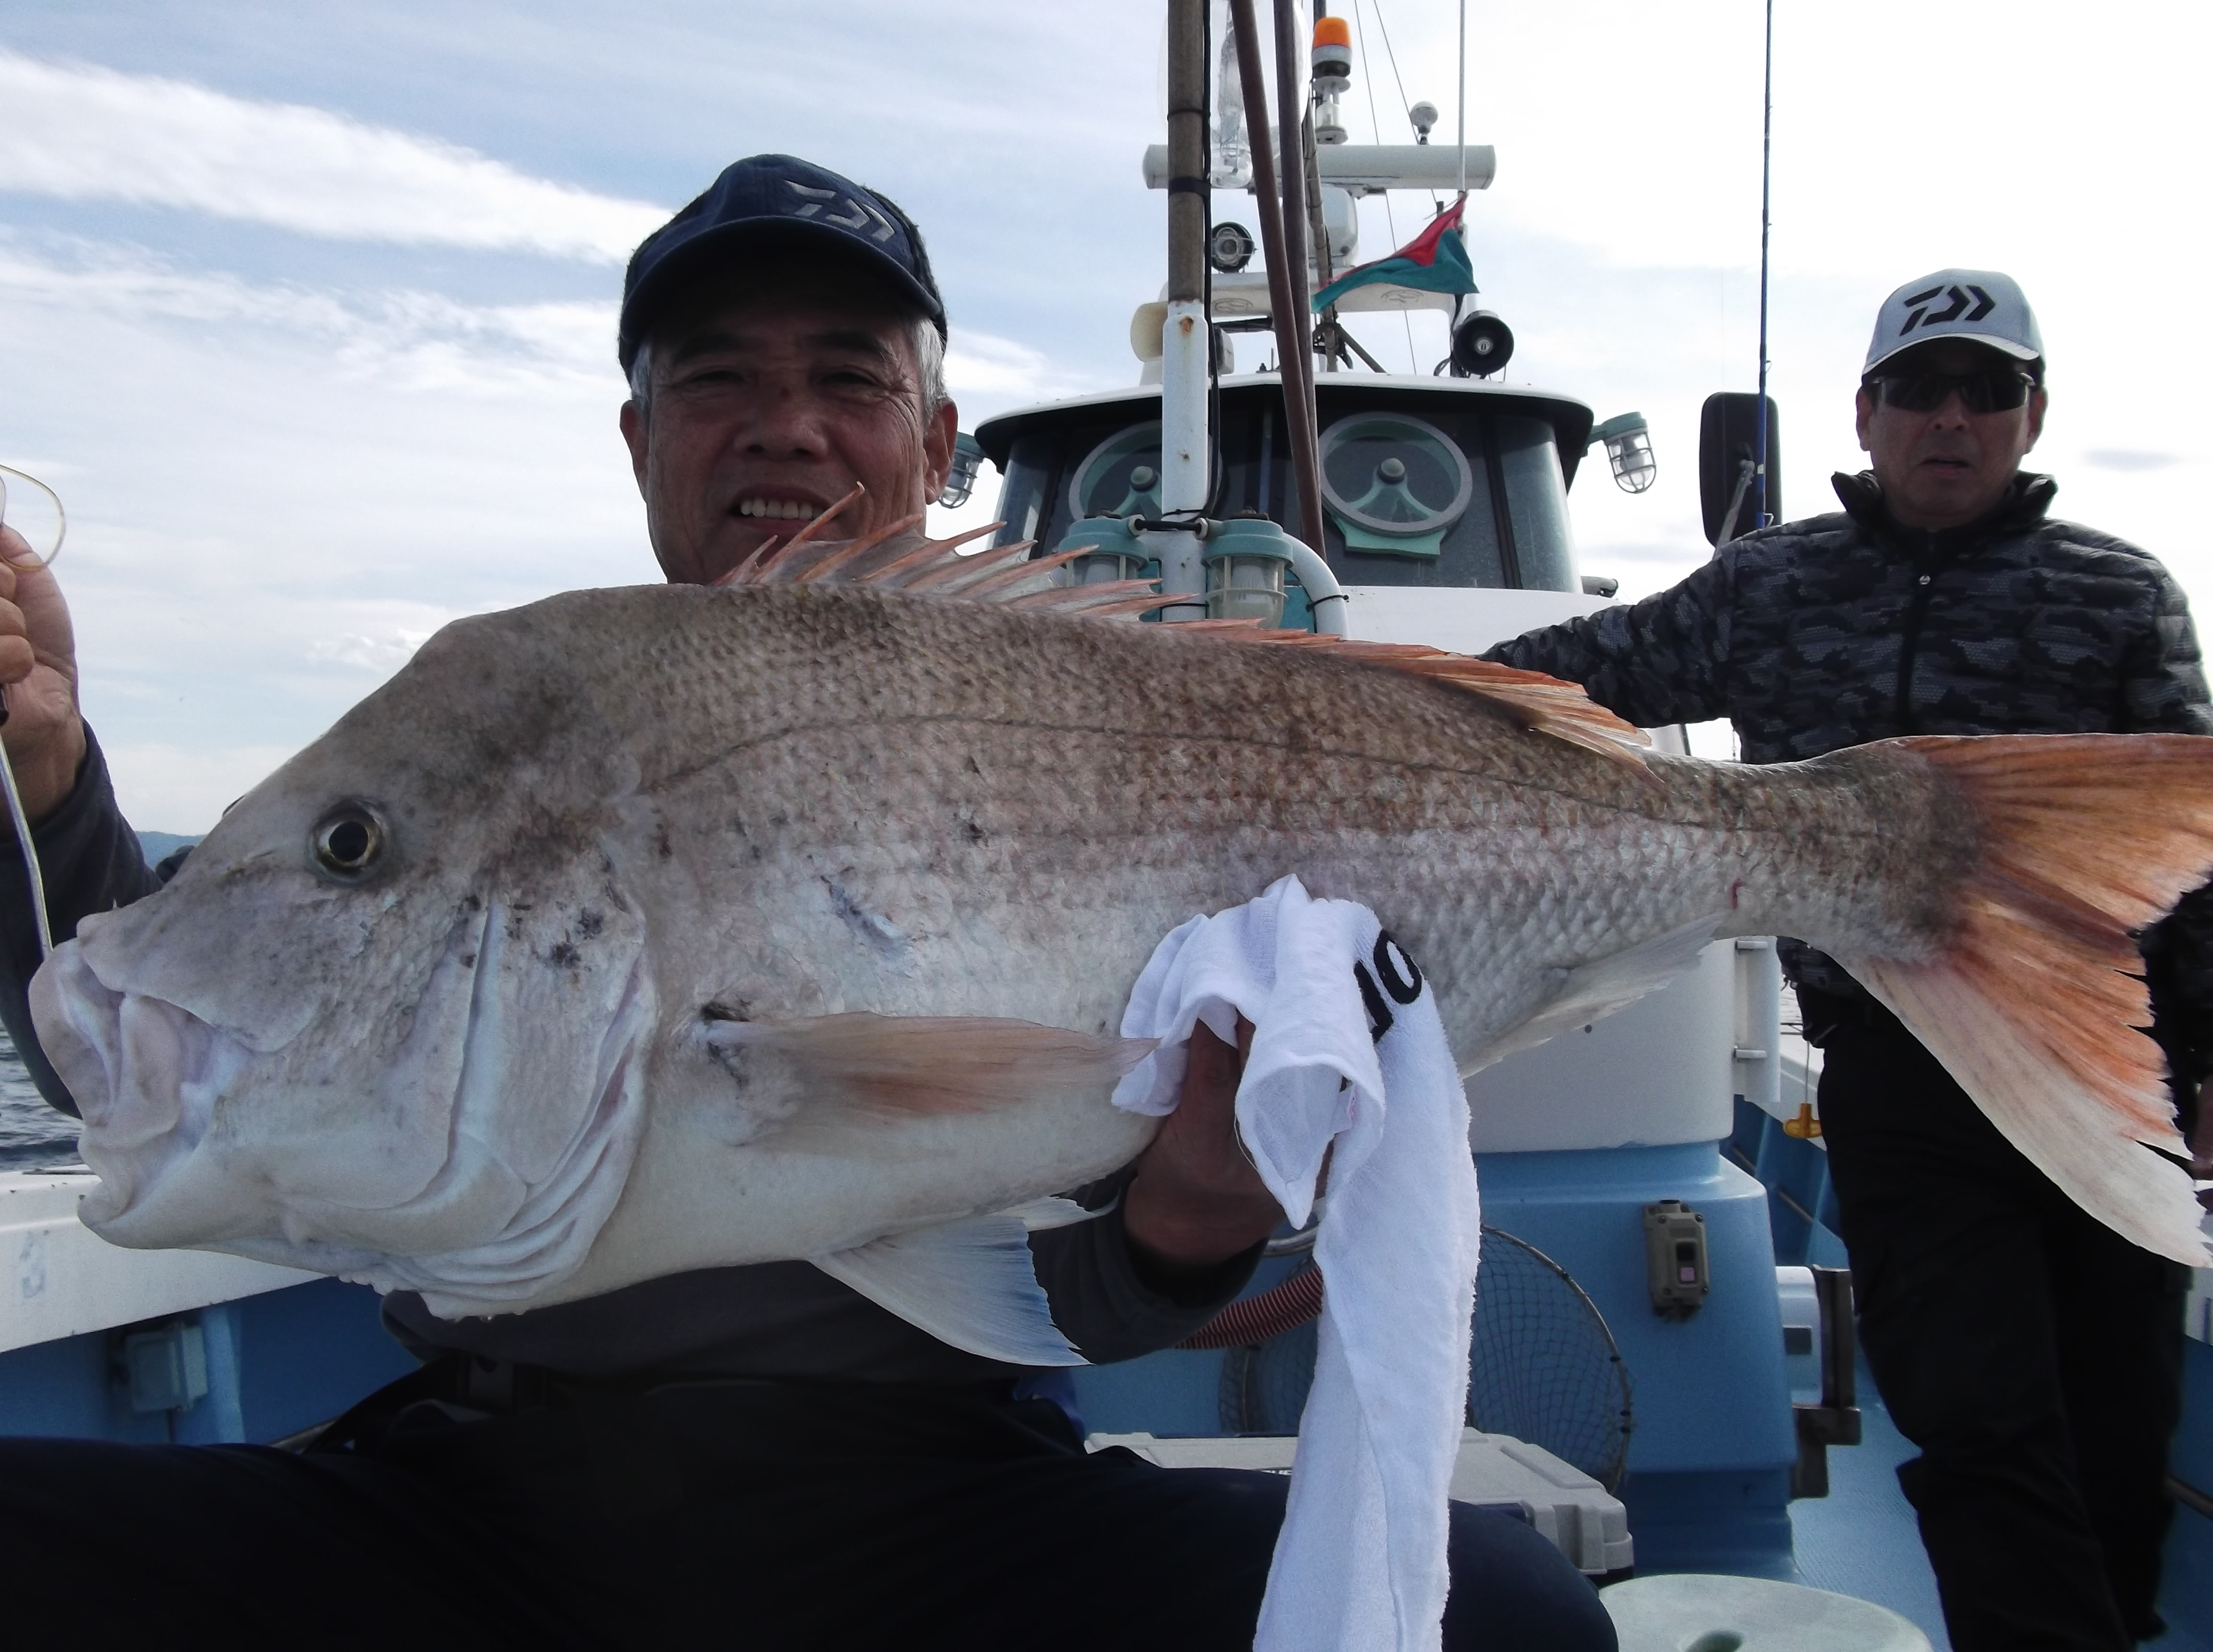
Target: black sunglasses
(1995,390)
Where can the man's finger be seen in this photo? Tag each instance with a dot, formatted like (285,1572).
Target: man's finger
(16,658)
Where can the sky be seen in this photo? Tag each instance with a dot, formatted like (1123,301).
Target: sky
(306,308)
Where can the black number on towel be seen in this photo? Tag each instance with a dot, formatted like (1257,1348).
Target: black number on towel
(1401,979)
(1379,1013)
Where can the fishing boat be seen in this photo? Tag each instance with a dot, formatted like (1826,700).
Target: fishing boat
(1664,1375)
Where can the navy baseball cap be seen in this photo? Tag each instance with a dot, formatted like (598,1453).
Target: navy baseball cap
(776,198)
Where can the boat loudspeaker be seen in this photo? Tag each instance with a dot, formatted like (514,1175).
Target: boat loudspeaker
(1482,345)
(1230,247)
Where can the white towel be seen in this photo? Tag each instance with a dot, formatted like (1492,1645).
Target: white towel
(1347,1047)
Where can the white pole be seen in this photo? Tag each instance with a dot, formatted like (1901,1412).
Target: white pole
(1463,96)
(1186,340)
(1184,481)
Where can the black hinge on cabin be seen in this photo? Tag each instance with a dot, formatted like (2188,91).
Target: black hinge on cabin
(1836,1420)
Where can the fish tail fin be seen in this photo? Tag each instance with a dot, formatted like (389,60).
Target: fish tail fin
(2033,1001)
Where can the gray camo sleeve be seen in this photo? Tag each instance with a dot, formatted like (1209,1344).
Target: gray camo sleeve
(2163,690)
(1663,659)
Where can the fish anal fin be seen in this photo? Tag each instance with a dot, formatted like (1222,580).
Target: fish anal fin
(1597,988)
(2032,1001)
(918,1065)
(970,1284)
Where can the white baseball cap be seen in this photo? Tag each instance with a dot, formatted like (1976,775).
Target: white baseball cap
(1983,307)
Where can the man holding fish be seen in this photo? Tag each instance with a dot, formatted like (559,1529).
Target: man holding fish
(758,1450)
(2031,1351)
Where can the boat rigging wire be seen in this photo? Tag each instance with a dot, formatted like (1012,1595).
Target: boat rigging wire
(1375,126)
(1405,107)
(1761,518)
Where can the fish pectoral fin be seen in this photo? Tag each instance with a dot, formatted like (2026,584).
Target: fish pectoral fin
(970,1284)
(903,1065)
(1594,990)
(1054,1212)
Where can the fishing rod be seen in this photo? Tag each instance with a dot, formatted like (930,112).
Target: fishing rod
(1760,515)
(16,815)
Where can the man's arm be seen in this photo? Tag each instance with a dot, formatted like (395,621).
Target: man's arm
(1661,660)
(89,859)
(1186,1233)
(2163,678)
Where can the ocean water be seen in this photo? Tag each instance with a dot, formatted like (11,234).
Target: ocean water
(33,1135)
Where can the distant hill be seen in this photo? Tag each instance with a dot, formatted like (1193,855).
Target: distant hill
(158,845)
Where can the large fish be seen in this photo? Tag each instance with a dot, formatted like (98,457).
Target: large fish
(655,928)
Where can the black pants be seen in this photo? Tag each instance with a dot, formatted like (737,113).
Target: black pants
(2034,1355)
(748,1515)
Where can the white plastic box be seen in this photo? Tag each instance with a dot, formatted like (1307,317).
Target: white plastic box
(1571,1509)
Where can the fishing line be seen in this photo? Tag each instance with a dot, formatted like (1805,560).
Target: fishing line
(16,816)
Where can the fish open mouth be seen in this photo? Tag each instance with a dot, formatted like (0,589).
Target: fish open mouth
(467,1177)
(144,1073)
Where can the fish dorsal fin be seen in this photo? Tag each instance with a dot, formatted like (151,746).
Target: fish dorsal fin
(900,557)
(1545,704)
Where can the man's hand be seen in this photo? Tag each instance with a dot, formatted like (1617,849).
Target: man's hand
(1196,1200)
(38,666)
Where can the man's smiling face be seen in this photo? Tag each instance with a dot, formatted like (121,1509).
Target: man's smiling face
(1945,466)
(766,410)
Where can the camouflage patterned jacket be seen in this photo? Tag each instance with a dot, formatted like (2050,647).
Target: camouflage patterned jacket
(1847,628)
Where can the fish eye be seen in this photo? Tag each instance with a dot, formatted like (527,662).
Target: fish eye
(347,842)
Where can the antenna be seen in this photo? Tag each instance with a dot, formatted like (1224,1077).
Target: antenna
(1463,93)
(1760,516)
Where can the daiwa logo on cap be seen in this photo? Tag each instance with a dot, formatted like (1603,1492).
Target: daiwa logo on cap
(861,213)
(1961,297)
(1983,306)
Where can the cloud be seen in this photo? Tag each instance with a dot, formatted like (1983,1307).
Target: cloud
(83,133)
(402,335)
(186,788)
(988,372)
(2129,458)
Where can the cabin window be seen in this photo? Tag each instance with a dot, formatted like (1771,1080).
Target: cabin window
(1537,497)
(1441,497)
(1030,469)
